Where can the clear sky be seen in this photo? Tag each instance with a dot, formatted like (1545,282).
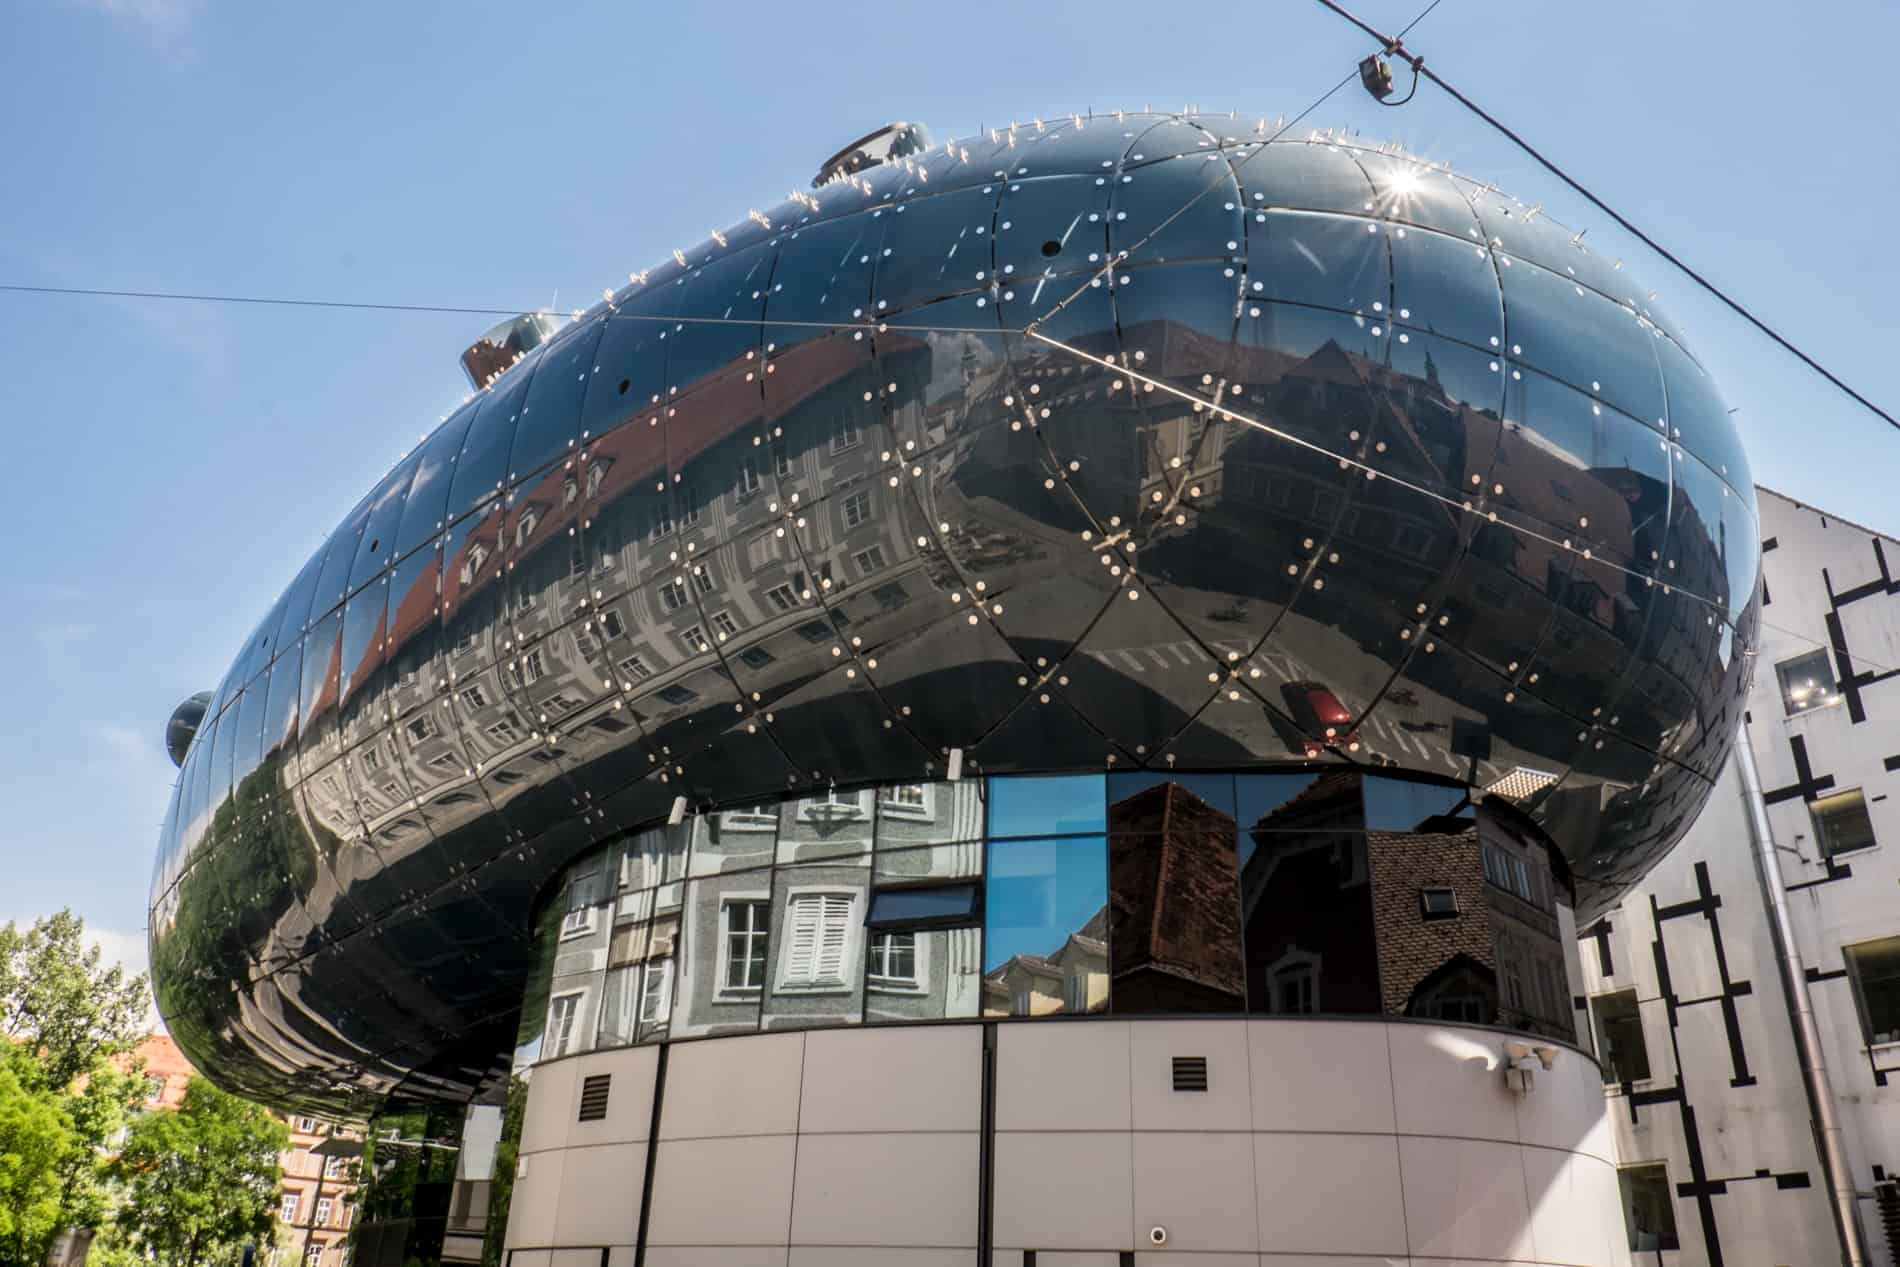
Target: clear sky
(175,463)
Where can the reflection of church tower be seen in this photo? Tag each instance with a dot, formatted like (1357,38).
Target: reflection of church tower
(968,363)
(1174,927)
(1431,373)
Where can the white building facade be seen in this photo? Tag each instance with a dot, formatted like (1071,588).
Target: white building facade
(1717,1153)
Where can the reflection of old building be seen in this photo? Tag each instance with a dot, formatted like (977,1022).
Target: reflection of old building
(1175,916)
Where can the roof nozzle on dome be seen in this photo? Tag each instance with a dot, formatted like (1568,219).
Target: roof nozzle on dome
(486,359)
(892,141)
(184,723)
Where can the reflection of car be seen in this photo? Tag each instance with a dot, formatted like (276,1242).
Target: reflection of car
(1326,721)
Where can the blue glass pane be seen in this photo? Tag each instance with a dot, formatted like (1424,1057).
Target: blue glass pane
(1398,805)
(1047,806)
(1044,930)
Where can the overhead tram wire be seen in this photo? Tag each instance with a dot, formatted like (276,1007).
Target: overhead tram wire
(1394,46)
(612,315)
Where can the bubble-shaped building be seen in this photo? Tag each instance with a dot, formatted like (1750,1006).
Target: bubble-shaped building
(1135,564)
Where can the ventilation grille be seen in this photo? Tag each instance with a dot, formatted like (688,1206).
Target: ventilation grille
(1190,1073)
(1887,1201)
(594,1096)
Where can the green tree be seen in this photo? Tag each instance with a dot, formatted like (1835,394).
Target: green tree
(61,1003)
(67,1020)
(35,1135)
(201,1181)
(507,1157)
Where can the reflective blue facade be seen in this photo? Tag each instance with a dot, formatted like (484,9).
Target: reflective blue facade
(1133,441)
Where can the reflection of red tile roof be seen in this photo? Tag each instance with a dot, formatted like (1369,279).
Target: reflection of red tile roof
(1174,880)
(1321,805)
(724,404)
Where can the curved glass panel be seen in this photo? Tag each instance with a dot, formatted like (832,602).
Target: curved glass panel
(428,499)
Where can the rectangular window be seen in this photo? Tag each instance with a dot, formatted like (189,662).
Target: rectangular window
(703,579)
(869,560)
(656,992)
(1807,682)
(844,436)
(723,623)
(748,482)
(421,728)
(783,597)
(906,800)
(1649,1210)
(1438,903)
(857,508)
(893,962)
(332,1167)
(323,1211)
(582,894)
(562,1010)
(761,550)
(744,923)
(503,731)
(925,906)
(533,667)
(636,668)
(474,698)
(673,596)
(1874,967)
(756,657)
(288,1210)
(820,929)
(1620,1046)
(1841,824)
(781,460)
(696,640)
(611,623)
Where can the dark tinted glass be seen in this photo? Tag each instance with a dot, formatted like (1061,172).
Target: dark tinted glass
(481,468)
(1448,286)
(944,905)
(296,602)
(1400,805)
(339,556)
(1577,335)
(376,544)
(422,512)
(551,414)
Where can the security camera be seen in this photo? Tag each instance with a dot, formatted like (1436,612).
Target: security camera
(1546,1056)
(1158,1235)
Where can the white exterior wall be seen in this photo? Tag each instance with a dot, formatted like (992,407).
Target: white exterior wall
(1316,1144)
(1742,1123)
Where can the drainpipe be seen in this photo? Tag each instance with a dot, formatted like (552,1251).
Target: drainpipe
(1807,1036)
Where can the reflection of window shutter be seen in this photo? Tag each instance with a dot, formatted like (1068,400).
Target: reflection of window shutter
(806,911)
(837,915)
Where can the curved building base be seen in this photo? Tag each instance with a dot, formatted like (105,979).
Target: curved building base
(1087,1143)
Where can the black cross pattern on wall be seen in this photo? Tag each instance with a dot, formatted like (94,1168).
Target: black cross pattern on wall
(1852,683)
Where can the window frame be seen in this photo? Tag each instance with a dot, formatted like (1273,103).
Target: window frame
(1831,693)
(722,987)
(1856,977)
(850,925)
(918,983)
(1823,836)
(924,811)
(1613,1073)
(565,1043)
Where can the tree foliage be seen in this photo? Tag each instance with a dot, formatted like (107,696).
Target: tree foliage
(201,1181)
(67,1020)
(34,1138)
(61,1003)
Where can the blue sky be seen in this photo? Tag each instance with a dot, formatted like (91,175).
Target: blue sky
(174,463)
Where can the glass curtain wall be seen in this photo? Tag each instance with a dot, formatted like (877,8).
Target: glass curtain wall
(1296,893)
